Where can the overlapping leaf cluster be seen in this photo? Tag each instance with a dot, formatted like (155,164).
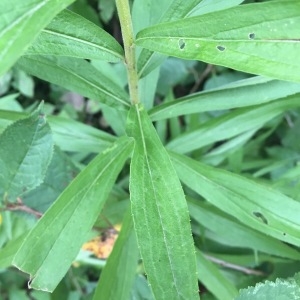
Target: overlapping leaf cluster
(202,160)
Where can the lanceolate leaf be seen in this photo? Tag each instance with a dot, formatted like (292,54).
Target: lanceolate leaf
(247,92)
(76,75)
(20,23)
(232,124)
(26,149)
(54,242)
(174,10)
(160,214)
(253,204)
(72,35)
(221,228)
(253,38)
(117,278)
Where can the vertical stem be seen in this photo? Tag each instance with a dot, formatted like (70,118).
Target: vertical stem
(129,47)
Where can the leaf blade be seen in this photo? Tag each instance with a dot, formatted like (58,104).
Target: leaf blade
(26,149)
(19,27)
(232,39)
(231,124)
(248,92)
(160,214)
(255,205)
(53,236)
(69,34)
(76,75)
(119,272)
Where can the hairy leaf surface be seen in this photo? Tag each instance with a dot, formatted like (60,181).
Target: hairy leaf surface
(26,149)
(160,214)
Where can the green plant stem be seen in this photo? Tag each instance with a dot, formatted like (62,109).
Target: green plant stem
(129,47)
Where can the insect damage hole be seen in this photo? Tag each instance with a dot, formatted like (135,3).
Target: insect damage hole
(221,48)
(251,36)
(181,44)
(260,216)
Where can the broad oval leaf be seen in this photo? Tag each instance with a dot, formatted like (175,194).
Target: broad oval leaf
(247,92)
(253,204)
(76,75)
(68,134)
(252,38)
(20,23)
(160,214)
(26,149)
(69,34)
(54,242)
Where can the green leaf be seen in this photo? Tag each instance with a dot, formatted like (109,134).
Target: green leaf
(163,12)
(20,23)
(68,134)
(214,280)
(207,6)
(231,124)
(59,174)
(72,136)
(281,289)
(226,231)
(54,242)
(72,35)
(247,92)
(76,75)
(118,275)
(242,38)
(26,149)
(160,214)
(141,289)
(8,252)
(257,206)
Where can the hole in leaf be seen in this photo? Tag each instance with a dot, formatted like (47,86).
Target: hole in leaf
(260,216)
(251,36)
(181,44)
(221,48)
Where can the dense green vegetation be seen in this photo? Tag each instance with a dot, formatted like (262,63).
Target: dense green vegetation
(169,126)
